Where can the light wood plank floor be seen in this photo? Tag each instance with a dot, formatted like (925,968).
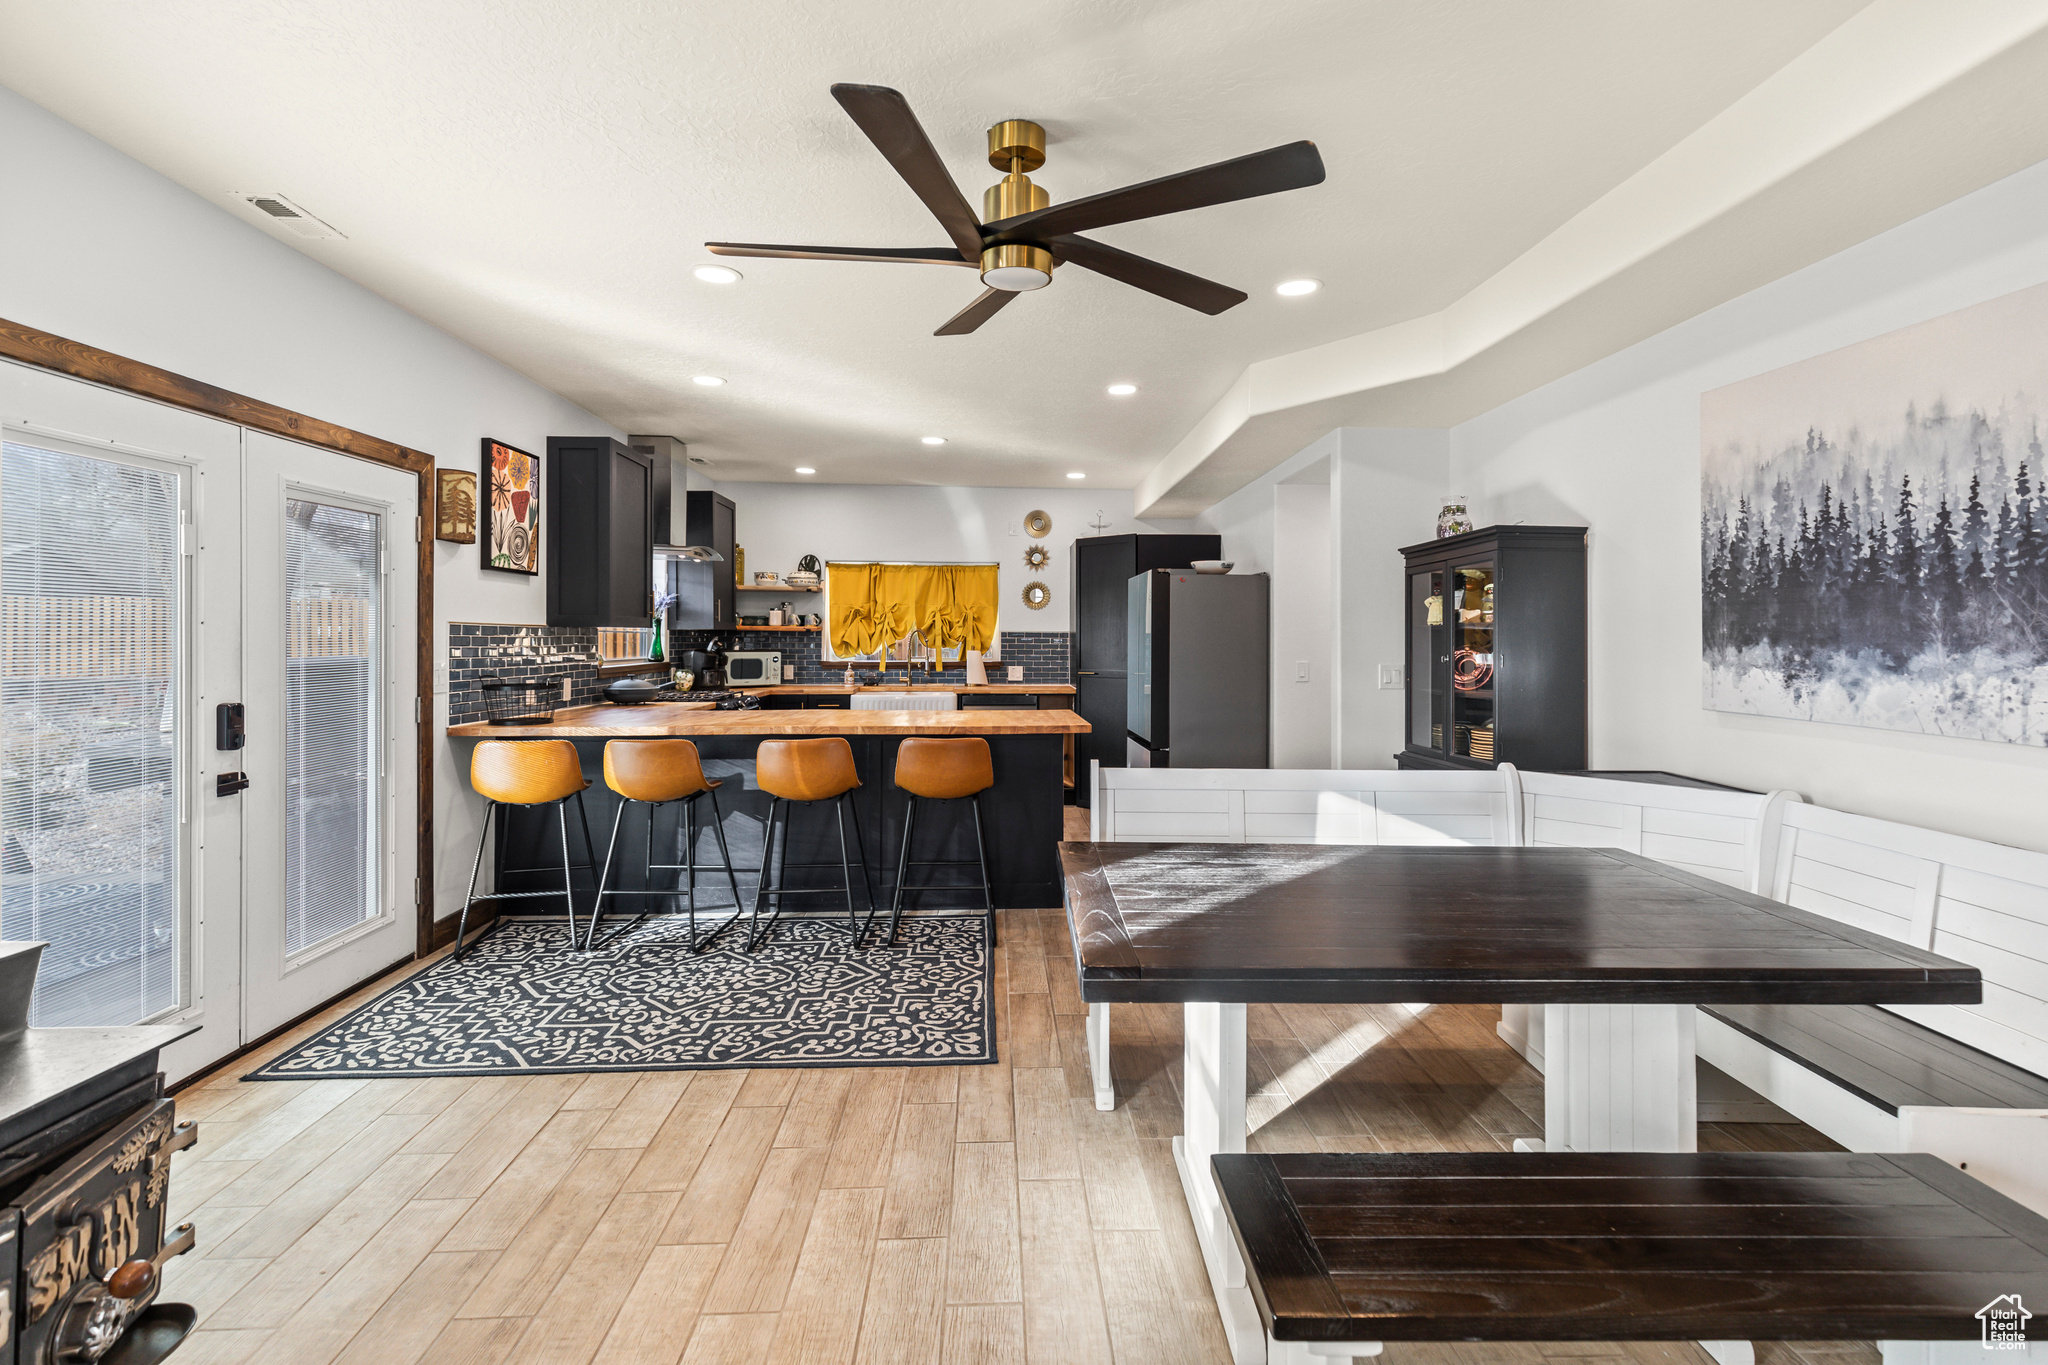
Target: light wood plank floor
(956,1214)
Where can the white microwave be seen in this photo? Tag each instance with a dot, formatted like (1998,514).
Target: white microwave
(753,668)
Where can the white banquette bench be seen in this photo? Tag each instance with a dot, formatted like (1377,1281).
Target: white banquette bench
(1963,1081)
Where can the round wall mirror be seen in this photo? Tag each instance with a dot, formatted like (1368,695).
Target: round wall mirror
(1036,595)
(1037,557)
(1038,523)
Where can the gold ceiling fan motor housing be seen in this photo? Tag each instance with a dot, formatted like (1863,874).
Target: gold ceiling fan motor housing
(1017,146)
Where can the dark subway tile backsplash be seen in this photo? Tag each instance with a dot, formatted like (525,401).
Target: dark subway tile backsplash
(553,653)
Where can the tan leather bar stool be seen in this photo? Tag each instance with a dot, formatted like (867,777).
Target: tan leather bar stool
(943,770)
(655,773)
(527,772)
(802,771)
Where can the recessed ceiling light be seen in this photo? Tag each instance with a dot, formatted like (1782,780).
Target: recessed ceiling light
(709,381)
(934,440)
(1077,476)
(717,274)
(1123,390)
(1292,289)
(804,469)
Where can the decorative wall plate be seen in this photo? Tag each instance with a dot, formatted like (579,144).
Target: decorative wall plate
(1037,557)
(1036,596)
(1038,524)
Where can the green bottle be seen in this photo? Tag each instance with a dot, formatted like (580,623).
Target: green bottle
(654,644)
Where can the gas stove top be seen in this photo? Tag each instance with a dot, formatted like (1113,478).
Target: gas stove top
(723,700)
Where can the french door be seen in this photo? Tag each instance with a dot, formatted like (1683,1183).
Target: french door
(331,815)
(158,566)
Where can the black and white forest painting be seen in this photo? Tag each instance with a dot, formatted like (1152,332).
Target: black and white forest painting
(1874,531)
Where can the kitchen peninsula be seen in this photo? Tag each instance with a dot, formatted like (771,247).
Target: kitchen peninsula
(1022,813)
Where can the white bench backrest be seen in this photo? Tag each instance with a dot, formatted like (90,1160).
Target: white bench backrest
(1716,834)
(1303,806)
(1980,903)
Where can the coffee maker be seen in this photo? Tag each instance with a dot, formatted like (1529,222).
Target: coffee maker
(708,664)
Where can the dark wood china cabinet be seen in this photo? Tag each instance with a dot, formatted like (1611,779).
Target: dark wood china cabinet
(1496,649)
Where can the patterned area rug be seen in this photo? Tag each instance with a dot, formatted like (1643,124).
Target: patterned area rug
(518,1004)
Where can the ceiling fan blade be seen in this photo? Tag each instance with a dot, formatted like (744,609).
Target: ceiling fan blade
(884,115)
(909,255)
(1190,291)
(974,314)
(1292,167)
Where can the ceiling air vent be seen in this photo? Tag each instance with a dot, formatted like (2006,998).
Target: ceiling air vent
(288,215)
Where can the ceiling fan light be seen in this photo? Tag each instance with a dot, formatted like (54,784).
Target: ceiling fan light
(1016,269)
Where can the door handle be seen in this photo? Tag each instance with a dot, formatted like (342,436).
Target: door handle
(1086,672)
(227,784)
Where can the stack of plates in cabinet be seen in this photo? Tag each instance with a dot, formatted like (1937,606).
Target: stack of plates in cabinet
(1482,743)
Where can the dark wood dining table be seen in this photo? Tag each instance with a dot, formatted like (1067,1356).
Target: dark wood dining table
(1618,949)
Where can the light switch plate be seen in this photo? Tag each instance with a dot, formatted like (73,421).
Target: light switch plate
(1301,670)
(1390,676)
(1015,672)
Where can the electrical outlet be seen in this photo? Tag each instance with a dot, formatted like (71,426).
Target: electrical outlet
(1015,672)
(1301,670)
(1390,676)
(789,672)
(565,689)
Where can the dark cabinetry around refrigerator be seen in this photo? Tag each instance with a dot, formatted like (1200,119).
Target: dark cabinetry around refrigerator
(703,591)
(599,533)
(1496,630)
(1103,569)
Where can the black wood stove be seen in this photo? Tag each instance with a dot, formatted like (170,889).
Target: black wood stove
(86,1137)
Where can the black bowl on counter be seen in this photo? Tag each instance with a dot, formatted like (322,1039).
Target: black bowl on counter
(632,691)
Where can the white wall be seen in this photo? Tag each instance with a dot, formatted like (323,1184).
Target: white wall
(1304,601)
(1384,489)
(99,249)
(780,523)
(1615,447)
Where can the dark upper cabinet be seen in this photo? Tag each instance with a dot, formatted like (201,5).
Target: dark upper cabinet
(600,532)
(1103,569)
(704,591)
(1496,649)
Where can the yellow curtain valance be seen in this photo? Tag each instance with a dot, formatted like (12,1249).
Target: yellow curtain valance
(872,606)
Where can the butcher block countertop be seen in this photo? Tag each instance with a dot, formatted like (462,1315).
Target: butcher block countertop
(842,690)
(686,720)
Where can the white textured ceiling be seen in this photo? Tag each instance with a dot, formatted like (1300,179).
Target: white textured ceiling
(537,177)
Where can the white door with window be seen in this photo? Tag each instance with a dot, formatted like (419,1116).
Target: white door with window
(331,817)
(156,565)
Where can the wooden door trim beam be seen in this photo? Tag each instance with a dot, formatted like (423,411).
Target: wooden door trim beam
(30,346)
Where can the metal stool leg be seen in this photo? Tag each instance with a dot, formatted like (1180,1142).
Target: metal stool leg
(604,878)
(988,891)
(761,886)
(902,869)
(725,855)
(860,850)
(853,925)
(462,923)
(568,877)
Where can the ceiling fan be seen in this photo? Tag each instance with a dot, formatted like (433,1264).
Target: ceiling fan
(1024,236)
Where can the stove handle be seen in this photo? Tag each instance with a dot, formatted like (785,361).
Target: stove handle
(136,1278)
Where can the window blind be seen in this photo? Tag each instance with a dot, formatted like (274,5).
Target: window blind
(90,694)
(333,681)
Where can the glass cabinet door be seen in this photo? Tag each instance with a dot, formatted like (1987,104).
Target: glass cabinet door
(1470,612)
(1429,657)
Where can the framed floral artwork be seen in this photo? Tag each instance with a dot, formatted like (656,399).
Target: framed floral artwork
(511,521)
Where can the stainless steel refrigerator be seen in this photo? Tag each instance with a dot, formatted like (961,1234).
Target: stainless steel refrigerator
(1198,680)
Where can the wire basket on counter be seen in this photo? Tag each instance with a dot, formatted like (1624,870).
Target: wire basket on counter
(517,701)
